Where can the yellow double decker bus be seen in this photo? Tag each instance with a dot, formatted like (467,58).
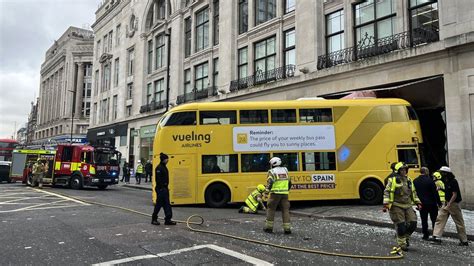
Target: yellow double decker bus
(333,149)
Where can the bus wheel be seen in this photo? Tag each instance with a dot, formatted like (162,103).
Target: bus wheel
(76,182)
(217,195)
(102,187)
(370,193)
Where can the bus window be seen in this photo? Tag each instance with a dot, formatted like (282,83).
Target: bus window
(408,156)
(182,119)
(411,113)
(317,161)
(253,116)
(315,115)
(284,116)
(288,160)
(255,162)
(217,117)
(219,164)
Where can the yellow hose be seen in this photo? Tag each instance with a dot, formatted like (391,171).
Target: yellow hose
(188,223)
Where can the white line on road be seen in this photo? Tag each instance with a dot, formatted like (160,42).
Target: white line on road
(61,196)
(231,253)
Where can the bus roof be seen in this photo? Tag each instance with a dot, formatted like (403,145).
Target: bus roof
(288,104)
(8,140)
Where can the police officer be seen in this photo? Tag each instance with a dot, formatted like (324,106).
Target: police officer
(279,184)
(254,201)
(139,172)
(39,169)
(399,196)
(162,192)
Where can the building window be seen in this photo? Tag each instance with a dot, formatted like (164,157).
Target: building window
(129,91)
(202,29)
(187,37)
(201,76)
(129,110)
(105,44)
(111,34)
(187,81)
(243,16)
(149,93)
(265,10)
(97,49)
(289,6)
(88,72)
(131,59)
(335,31)
(160,49)
(243,63)
(216,22)
(96,82)
(87,89)
(374,20)
(150,57)
(424,20)
(215,72)
(289,49)
(161,9)
(106,78)
(86,109)
(117,35)
(265,55)
(116,71)
(158,96)
(114,107)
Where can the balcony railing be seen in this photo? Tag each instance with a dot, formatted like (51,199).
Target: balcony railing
(152,106)
(369,46)
(197,95)
(261,77)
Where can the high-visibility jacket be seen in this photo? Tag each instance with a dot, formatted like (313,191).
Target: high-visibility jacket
(252,200)
(440,188)
(278,180)
(400,192)
(140,168)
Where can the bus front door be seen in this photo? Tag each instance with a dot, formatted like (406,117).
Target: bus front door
(183,177)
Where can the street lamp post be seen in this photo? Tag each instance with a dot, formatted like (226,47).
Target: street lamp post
(73,111)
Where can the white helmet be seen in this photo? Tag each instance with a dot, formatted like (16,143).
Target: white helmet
(139,161)
(275,161)
(445,169)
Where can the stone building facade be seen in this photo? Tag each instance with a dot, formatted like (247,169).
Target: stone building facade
(32,122)
(65,89)
(244,50)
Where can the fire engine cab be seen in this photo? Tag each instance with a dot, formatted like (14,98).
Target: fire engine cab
(75,166)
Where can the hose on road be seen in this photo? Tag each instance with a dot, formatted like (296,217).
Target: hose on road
(189,224)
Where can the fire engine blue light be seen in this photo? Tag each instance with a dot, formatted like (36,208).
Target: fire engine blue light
(344,153)
(114,173)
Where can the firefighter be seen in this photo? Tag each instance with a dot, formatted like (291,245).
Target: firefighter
(254,201)
(139,172)
(279,184)
(439,187)
(399,196)
(39,169)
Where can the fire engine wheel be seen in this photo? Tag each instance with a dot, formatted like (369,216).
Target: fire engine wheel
(370,193)
(102,187)
(76,182)
(217,195)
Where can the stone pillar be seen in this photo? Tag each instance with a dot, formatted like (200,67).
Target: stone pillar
(228,31)
(309,25)
(79,86)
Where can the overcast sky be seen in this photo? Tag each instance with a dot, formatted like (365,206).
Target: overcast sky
(27,29)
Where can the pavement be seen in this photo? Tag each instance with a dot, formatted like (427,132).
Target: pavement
(351,211)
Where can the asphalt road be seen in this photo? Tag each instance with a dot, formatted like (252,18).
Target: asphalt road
(40,227)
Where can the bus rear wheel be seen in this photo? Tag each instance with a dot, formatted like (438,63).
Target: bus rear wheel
(217,195)
(370,193)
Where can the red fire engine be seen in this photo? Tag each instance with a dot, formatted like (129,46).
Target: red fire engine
(73,165)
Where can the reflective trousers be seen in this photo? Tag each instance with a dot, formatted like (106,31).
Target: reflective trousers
(274,201)
(405,223)
(443,214)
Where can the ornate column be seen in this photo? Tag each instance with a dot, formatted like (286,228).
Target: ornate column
(79,86)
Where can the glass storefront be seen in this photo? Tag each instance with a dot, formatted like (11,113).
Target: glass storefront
(147,134)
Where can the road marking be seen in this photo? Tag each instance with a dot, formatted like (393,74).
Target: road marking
(27,247)
(60,243)
(23,198)
(118,234)
(35,207)
(229,252)
(91,238)
(60,196)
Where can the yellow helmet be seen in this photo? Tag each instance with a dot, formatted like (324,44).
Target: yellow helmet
(437,175)
(400,165)
(261,188)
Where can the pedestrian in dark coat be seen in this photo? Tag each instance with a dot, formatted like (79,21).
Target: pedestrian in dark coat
(162,192)
(426,191)
(148,171)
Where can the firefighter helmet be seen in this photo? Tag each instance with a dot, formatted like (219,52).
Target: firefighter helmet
(260,188)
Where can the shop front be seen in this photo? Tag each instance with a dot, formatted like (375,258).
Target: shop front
(106,136)
(147,134)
